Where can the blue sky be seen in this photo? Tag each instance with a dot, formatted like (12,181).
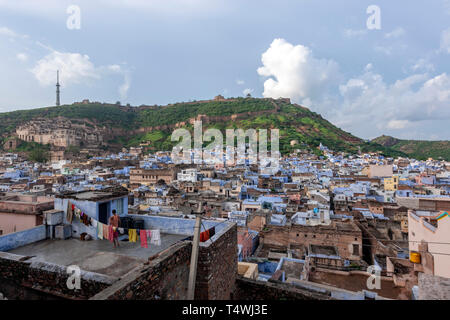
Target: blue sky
(395,80)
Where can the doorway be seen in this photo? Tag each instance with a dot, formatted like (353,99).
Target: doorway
(103,212)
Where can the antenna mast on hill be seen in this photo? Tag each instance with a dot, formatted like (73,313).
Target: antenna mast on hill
(57,88)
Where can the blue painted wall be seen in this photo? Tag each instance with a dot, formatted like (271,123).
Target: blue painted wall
(18,239)
(178,225)
(90,208)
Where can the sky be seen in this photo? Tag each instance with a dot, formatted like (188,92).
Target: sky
(370,67)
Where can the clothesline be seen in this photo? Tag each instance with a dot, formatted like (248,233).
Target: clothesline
(104,231)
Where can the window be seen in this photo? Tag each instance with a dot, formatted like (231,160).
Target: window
(356,249)
(119,206)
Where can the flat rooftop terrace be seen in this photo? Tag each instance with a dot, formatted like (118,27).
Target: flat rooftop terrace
(97,256)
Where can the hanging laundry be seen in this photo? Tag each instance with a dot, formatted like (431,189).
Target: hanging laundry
(143,235)
(121,230)
(204,236)
(212,232)
(69,212)
(156,237)
(132,235)
(110,233)
(105,232)
(83,218)
(76,213)
(100,230)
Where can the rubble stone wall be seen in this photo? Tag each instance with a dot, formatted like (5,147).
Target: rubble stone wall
(248,289)
(17,275)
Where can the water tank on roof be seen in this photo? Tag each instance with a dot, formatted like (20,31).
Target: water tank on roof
(414,257)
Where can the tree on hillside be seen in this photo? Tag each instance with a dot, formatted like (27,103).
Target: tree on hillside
(39,155)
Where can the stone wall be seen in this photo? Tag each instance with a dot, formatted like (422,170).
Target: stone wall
(433,287)
(165,277)
(19,273)
(248,289)
(297,235)
(217,266)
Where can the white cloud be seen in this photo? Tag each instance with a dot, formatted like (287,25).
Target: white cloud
(22,57)
(445,41)
(294,72)
(350,33)
(383,49)
(123,89)
(115,68)
(408,102)
(422,65)
(398,124)
(4,31)
(247,91)
(126,73)
(73,68)
(446,4)
(365,105)
(240,82)
(396,33)
(7,32)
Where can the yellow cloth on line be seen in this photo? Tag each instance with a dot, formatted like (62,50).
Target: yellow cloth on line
(132,235)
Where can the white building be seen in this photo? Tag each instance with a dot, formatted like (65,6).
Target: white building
(188,175)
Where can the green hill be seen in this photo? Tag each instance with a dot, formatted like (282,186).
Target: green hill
(155,124)
(417,149)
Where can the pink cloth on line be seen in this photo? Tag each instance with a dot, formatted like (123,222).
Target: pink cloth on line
(110,233)
(143,235)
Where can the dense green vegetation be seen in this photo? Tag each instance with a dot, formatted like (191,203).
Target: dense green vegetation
(36,152)
(105,114)
(417,149)
(308,129)
(183,111)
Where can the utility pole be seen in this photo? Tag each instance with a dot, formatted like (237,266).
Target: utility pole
(194,258)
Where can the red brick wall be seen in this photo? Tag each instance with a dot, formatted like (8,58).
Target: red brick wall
(217,267)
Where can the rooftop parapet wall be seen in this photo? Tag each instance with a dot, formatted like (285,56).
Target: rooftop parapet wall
(178,225)
(47,278)
(248,289)
(22,238)
(165,277)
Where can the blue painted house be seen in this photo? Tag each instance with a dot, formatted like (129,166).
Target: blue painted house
(97,204)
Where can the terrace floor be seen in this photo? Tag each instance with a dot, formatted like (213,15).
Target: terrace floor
(358,282)
(98,256)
